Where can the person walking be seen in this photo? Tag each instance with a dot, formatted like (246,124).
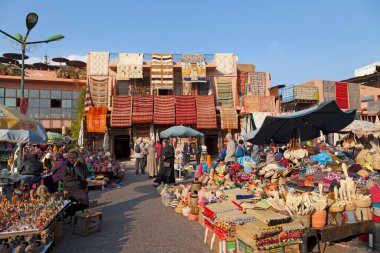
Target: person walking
(159,151)
(166,173)
(139,156)
(186,153)
(151,165)
(198,152)
(231,150)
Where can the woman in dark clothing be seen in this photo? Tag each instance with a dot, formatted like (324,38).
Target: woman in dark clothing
(166,173)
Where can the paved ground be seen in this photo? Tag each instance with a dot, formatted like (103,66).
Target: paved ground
(135,220)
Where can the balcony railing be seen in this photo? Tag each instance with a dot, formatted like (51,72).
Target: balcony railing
(114,57)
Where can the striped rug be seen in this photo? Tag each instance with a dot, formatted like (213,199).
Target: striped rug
(206,112)
(161,71)
(224,91)
(164,112)
(185,110)
(142,109)
(229,117)
(121,115)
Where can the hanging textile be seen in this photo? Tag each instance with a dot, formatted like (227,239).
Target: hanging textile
(185,110)
(99,91)
(187,88)
(88,99)
(258,83)
(354,96)
(178,87)
(99,63)
(97,120)
(142,109)
(206,112)
(259,117)
(248,68)
(224,91)
(329,90)
(164,112)
(247,124)
(225,63)
(242,80)
(121,115)
(341,92)
(267,104)
(130,66)
(228,117)
(251,103)
(162,71)
(193,68)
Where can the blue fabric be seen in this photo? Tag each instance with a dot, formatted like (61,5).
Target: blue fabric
(223,154)
(322,158)
(239,152)
(244,196)
(376,204)
(241,160)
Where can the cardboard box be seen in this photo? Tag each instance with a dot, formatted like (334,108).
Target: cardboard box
(58,230)
(217,245)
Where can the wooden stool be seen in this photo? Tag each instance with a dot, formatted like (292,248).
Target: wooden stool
(87,222)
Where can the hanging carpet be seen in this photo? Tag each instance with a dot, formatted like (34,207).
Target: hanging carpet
(329,90)
(267,104)
(162,71)
(121,115)
(130,66)
(164,112)
(88,99)
(97,119)
(185,110)
(224,91)
(257,83)
(354,96)
(251,103)
(206,112)
(99,89)
(224,63)
(142,109)
(341,93)
(193,68)
(99,63)
(229,118)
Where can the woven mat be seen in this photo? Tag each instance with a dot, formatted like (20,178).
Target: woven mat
(329,90)
(269,217)
(99,91)
(224,63)
(257,83)
(251,103)
(236,217)
(341,93)
(142,109)
(222,207)
(161,71)
(164,112)
(121,115)
(206,112)
(229,118)
(97,119)
(99,63)
(130,66)
(186,110)
(224,91)
(267,104)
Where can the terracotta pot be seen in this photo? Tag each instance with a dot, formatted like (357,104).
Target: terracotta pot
(318,219)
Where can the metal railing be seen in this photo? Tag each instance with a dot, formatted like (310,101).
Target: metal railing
(114,57)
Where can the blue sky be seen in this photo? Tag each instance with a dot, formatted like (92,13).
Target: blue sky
(296,41)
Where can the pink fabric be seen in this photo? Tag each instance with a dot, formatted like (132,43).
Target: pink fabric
(159,149)
(375,193)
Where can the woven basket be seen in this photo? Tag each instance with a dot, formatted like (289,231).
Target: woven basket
(305,220)
(336,209)
(362,203)
(350,207)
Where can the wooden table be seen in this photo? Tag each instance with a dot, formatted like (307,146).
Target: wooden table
(336,233)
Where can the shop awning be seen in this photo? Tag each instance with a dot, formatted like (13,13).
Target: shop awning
(97,119)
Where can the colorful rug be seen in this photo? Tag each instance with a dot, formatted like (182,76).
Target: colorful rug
(164,112)
(225,63)
(354,96)
(88,99)
(130,66)
(162,71)
(251,103)
(206,112)
(243,83)
(178,91)
(341,93)
(97,120)
(142,109)
(257,83)
(267,104)
(99,89)
(185,110)
(121,115)
(329,90)
(99,63)
(229,118)
(193,68)
(224,91)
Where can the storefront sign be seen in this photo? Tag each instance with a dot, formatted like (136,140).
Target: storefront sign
(287,94)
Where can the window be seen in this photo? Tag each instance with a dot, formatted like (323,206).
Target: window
(10,101)
(2,101)
(44,102)
(33,102)
(56,103)
(163,92)
(75,94)
(45,113)
(2,92)
(56,113)
(66,103)
(122,87)
(44,93)
(56,94)
(203,88)
(66,94)
(25,93)
(34,93)
(10,93)
(74,103)
(33,112)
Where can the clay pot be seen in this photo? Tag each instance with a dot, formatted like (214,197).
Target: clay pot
(193,199)
(318,219)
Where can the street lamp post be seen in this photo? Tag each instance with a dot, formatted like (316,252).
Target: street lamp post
(31,21)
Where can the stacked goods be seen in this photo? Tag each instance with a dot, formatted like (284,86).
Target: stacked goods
(270,218)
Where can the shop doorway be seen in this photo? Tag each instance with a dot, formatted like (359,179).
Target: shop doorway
(122,149)
(211,141)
